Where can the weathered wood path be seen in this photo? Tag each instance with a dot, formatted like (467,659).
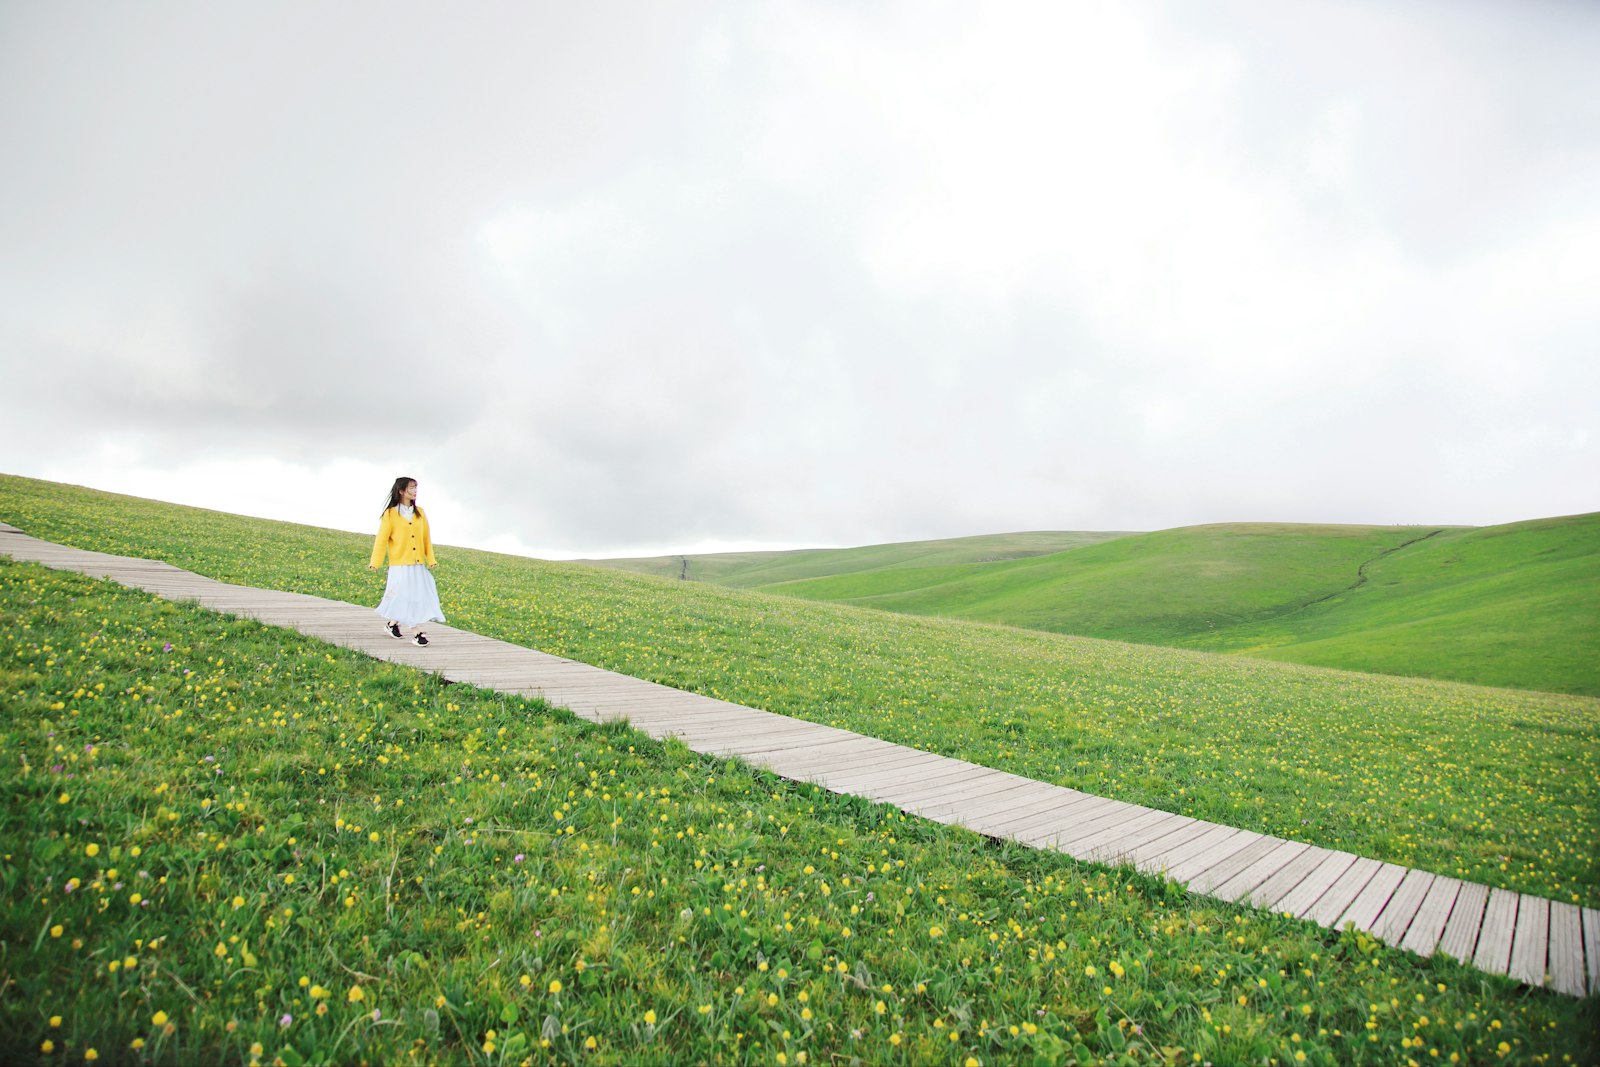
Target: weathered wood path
(1537,941)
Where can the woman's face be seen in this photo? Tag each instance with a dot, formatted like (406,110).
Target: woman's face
(408,495)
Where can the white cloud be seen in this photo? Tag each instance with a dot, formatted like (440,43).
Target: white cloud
(624,277)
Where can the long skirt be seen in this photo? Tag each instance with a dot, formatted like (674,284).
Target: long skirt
(410,596)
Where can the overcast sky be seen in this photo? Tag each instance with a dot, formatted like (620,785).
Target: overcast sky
(634,277)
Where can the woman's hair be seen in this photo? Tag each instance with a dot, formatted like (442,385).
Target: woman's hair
(396,490)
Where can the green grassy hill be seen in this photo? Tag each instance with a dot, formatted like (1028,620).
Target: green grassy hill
(1495,785)
(1515,605)
(380,867)
(744,570)
(227,843)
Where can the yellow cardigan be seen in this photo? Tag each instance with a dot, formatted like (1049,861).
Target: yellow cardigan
(404,540)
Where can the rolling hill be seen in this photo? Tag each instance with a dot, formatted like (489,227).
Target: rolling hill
(747,570)
(1488,784)
(1515,605)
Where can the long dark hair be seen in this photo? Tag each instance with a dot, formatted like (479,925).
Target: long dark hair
(395,491)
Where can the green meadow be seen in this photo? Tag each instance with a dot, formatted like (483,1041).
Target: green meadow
(1495,785)
(751,570)
(1515,605)
(226,843)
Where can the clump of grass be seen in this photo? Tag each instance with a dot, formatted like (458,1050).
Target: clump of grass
(224,842)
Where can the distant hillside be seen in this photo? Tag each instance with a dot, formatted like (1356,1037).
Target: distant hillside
(1515,605)
(745,570)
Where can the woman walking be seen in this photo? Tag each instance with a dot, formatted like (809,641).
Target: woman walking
(410,598)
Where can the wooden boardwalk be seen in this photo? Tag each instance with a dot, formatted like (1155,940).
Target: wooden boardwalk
(1536,941)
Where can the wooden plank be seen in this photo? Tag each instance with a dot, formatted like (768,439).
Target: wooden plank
(711,723)
(1530,945)
(691,733)
(538,672)
(559,694)
(1287,865)
(824,747)
(1209,878)
(734,730)
(1128,828)
(526,676)
(600,701)
(903,791)
(470,650)
(873,752)
(1566,948)
(980,807)
(995,816)
(1065,830)
(1087,814)
(1085,820)
(1090,824)
(893,767)
(927,788)
(1333,903)
(1591,947)
(1460,939)
(938,784)
(946,770)
(1374,899)
(1191,868)
(739,748)
(1499,926)
(689,721)
(1005,789)
(590,700)
(1067,805)
(1297,887)
(1047,822)
(869,763)
(682,725)
(513,667)
(808,766)
(663,709)
(1269,890)
(1175,847)
(593,687)
(1403,907)
(592,690)
(1163,861)
(1428,927)
(563,671)
(753,727)
(866,752)
(556,670)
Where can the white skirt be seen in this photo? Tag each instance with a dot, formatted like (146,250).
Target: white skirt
(410,596)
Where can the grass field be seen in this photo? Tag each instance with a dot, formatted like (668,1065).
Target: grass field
(1515,605)
(748,570)
(1493,785)
(227,843)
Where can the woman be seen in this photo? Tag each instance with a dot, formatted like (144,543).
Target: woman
(410,597)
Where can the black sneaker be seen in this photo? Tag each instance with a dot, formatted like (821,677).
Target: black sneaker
(420,639)
(393,629)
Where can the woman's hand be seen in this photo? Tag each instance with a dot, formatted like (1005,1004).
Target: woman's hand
(372,566)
